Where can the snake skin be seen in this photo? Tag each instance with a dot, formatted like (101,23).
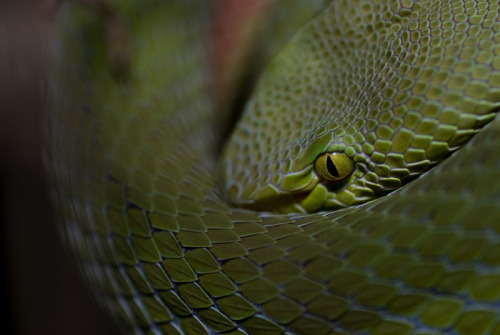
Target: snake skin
(133,138)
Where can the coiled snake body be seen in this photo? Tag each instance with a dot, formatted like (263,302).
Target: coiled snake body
(178,238)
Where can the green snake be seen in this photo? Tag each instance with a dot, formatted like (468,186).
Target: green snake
(357,194)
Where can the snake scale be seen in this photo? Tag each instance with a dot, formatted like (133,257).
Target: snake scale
(358,193)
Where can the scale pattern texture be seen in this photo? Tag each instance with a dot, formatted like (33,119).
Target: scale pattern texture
(134,135)
(395,85)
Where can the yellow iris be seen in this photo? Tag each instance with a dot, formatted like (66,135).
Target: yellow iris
(334,166)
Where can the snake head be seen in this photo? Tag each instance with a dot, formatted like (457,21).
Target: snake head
(321,173)
(394,103)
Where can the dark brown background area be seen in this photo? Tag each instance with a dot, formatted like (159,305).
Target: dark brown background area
(40,286)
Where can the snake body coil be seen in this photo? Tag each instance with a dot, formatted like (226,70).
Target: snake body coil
(365,98)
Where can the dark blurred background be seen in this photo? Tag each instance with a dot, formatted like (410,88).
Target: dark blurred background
(40,286)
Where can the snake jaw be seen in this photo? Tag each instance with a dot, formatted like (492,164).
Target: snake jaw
(288,196)
(316,199)
(297,182)
(307,192)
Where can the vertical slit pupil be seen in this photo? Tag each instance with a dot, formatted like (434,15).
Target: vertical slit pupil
(332,169)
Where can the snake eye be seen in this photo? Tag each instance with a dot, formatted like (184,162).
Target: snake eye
(334,166)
